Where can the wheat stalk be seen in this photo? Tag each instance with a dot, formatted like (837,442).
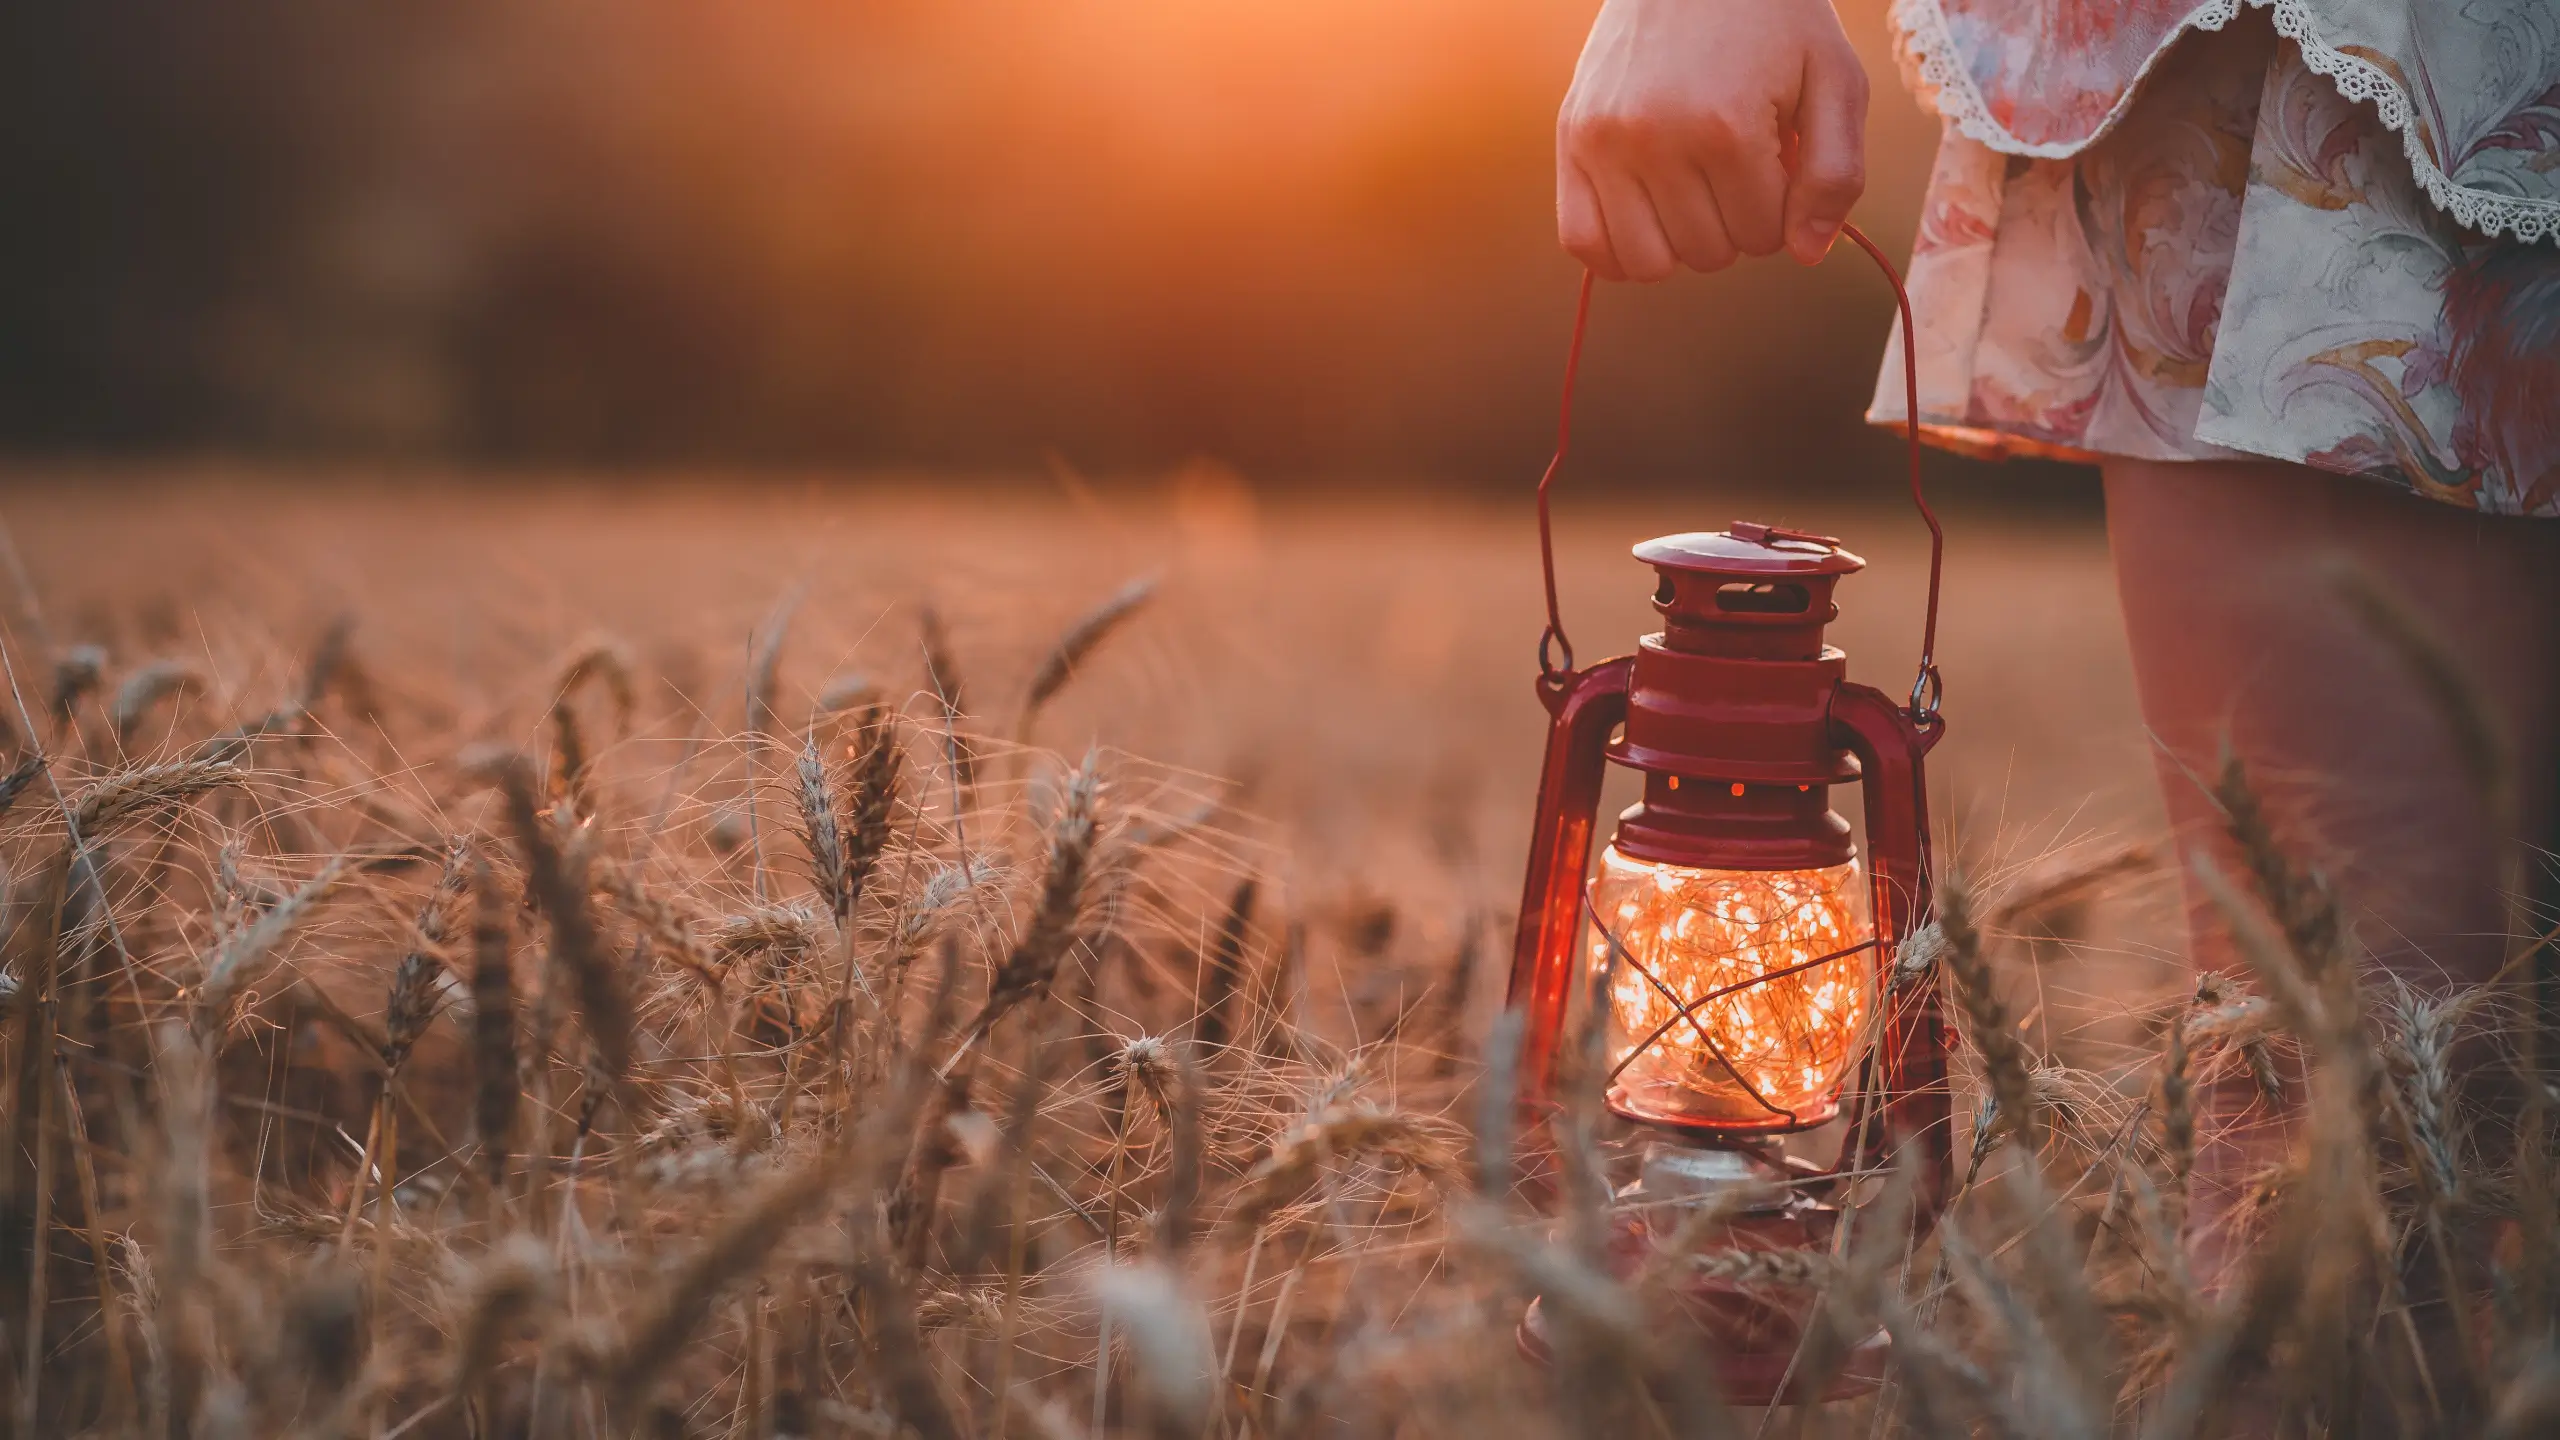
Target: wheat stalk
(942,678)
(146,687)
(844,695)
(130,793)
(1226,963)
(603,660)
(514,1282)
(2301,899)
(1080,640)
(2178,1118)
(674,931)
(246,956)
(77,674)
(1033,965)
(820,833)
(333,666)
(497,1085)
(20,776)
(412,1001)
(870,808)
(553,876)
(1339,1133)
(731,1254)
(2005,1065)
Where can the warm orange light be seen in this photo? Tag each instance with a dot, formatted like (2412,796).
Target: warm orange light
(1692,1037)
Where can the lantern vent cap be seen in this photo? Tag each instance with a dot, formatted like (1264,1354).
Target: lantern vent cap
(1749,549)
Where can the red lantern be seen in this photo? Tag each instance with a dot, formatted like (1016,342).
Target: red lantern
(1741,945)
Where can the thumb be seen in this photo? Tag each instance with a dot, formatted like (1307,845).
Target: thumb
(1830,170)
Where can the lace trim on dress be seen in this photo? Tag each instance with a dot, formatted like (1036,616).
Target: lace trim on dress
(1949,86)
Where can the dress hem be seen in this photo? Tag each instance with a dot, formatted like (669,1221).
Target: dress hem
(1977,442)
(1948,87)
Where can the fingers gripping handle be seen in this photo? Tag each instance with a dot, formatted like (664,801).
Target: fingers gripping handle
(1555,652)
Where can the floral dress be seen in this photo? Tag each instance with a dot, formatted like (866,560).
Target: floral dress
(2188,230)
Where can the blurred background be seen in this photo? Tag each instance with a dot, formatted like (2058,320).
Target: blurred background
(1309,238)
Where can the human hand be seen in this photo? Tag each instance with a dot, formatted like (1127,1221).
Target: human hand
(1699,130)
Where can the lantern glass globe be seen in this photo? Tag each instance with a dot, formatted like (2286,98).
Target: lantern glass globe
(1738,999)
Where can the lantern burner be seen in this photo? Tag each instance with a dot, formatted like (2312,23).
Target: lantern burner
(1752,1328)
(1744,1182)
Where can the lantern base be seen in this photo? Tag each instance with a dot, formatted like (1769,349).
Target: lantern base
(1752,1318)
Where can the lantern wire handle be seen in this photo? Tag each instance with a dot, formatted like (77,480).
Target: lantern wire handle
(1926,688)
(1552,670)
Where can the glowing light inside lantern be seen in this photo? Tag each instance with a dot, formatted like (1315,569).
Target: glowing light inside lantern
(1748,1050)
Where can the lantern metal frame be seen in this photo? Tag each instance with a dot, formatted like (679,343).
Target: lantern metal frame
(1741,719)
(1698,722)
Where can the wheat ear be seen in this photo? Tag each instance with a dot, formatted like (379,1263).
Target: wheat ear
(160,680)
(1080,640)
(556,878)
(1033,964)
(497,1085)
(2005,1065)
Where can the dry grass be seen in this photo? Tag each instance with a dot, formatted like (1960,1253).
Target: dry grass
(401,1046)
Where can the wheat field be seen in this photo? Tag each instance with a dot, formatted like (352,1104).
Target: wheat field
(1011,956)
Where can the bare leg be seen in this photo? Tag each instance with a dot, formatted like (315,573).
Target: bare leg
(2238,634)
(2239,638)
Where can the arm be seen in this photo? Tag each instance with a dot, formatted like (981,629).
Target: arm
(1699,130)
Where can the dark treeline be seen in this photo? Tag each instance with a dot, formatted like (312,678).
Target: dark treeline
(1304,237)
